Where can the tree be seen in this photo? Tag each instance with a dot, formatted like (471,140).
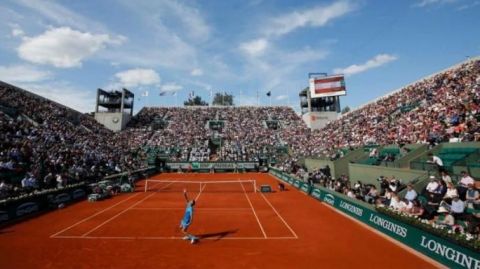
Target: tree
(346,110)
(196,101)
(222,99)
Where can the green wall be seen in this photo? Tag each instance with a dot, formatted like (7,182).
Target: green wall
(437,248)
(314,163)
(461,145)
(338,167)
(417,151)
(370,173)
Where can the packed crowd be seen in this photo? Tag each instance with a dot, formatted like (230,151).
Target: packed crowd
(442,108)
(47,145)
(185,130)
(451,204)
(243,135)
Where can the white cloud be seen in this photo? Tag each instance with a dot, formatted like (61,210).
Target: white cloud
(171,54)
(281,97)
(278,64)
(191,19)
(376,61)
(173,30)
(171,88)
(64,47)
(64,93)
(163,47)
(304,56)
(424,3)
(468,6)
(254,47)
(137,77)
(186,20)
(61,15)
(23,73)
(196,72)
(201,85)
(17,31)
(314,17)
(280,69)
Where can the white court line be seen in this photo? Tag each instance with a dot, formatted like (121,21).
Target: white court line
(169,237)
(196,208)
(93,237)
(198,195)
(123,211)
(276,212)
(96,214)
(253,210)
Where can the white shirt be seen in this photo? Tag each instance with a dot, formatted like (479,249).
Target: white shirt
(392,186)
(451,192)
(411,195)
(432,186)
(59,180)
(401,205)
(457,206)
(24,182)
(350,194)
(395,203)
(437,161)
(466,180)
(447,179)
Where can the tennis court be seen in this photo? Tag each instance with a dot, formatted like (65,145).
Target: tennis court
(238,227)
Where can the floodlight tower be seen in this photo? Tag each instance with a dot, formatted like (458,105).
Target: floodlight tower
(114,109)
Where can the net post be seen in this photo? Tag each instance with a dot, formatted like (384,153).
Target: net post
(146,183)
(254,185)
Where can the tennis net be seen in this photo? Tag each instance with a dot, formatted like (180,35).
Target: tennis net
(220,186)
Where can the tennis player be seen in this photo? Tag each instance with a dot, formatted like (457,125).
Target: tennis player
(187,219)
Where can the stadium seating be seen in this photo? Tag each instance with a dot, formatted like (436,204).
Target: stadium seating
(239,134)
(47,145)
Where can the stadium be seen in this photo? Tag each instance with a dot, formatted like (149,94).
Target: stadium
(234,178)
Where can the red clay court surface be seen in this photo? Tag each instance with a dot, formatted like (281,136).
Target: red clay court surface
(238,229)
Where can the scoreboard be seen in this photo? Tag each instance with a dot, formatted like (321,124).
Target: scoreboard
(327,86)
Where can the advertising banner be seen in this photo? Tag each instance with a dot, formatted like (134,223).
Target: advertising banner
(439,249)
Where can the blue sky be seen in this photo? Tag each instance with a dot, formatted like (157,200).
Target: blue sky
(65,50)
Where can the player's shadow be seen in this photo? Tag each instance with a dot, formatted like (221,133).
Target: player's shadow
(218,235)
